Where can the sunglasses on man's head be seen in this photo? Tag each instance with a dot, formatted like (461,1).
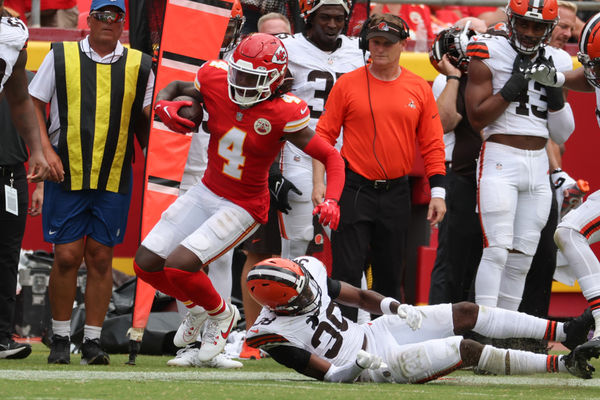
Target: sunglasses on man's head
(108,16)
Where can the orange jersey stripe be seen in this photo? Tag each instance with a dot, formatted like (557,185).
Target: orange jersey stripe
(484,236)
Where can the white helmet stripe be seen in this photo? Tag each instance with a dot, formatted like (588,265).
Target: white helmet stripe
(261,273)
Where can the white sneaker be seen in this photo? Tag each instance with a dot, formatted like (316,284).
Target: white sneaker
(188,331)
(184,358)
(216,332)
(220,361)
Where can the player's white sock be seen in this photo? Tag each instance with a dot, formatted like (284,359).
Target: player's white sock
(585,266)
(513,280)
(92,332)
(591,291)
(61,328)
(517,362)
(501,324)
(489,274)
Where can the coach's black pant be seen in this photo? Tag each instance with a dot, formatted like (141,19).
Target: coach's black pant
(460,243)
(373,227)
(12,229)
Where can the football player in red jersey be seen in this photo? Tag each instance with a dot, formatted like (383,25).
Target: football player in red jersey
(249,118)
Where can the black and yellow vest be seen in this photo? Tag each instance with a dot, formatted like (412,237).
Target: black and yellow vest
(98,105)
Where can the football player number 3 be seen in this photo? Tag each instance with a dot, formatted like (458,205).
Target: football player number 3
(230,148)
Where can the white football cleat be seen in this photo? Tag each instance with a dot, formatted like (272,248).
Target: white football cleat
(188,330)
(184,358)
(216,332)
(220,361)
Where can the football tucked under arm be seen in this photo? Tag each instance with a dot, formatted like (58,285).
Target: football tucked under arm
(194,112)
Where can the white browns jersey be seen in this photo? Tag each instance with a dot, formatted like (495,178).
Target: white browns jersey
(13,39)
(324,332)
(315,71)
(529,115)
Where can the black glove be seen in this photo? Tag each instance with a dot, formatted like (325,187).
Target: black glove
(517,84)
(279,188)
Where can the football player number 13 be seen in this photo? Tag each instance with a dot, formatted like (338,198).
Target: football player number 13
(230,148)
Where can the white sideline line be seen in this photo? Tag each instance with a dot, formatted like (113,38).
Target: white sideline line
(17,375)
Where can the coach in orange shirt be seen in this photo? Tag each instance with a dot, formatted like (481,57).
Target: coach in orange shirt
(384,110)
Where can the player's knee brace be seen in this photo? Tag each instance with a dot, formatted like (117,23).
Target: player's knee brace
(495,256)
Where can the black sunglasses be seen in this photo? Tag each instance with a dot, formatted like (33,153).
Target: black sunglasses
(108,16)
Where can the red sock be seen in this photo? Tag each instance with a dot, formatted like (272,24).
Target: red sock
(196,286)
(159,281)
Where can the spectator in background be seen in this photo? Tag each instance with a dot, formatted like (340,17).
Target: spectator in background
(99,94)
(274,23)
(57,13)
(16,118)
(416,16)
(567,20)
(384,110)
(266,241)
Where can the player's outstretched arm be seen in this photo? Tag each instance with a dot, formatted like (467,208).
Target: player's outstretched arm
(316,147)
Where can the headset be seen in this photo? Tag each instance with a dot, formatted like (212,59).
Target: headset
(403,33)
(401,27)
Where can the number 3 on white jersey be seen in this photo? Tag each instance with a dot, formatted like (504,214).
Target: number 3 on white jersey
(230,148)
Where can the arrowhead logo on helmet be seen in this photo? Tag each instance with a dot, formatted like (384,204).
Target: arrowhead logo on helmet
(280,56)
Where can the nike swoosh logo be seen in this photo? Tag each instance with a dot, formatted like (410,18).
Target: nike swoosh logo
(255,240)
(254,330)
(304,110)
(228,331)
(52,232)
(277,185)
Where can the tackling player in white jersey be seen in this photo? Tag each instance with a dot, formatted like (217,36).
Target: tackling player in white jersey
(581,227)
(517,116)
(302,327)
(317,57)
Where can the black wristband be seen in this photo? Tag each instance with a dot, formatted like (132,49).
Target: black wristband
(513,88)
(555,98)
(448,77)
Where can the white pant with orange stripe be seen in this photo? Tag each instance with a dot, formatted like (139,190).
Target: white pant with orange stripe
(514,199)
(206,224)
(574,234)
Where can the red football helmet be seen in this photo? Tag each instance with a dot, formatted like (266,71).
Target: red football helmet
(283,286)
(234,27)
(452,41)
(589,50)
(256,69)
(308,7)
(541,11)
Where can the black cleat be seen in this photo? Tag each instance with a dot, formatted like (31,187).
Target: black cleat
(578,329)
(13,350)
(92,353)
(60,350)
(577,360)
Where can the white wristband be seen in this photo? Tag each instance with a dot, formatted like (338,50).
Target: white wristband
(560,79)
(438,192)
(385,305)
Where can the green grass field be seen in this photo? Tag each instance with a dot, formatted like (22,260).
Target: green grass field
(151,378)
